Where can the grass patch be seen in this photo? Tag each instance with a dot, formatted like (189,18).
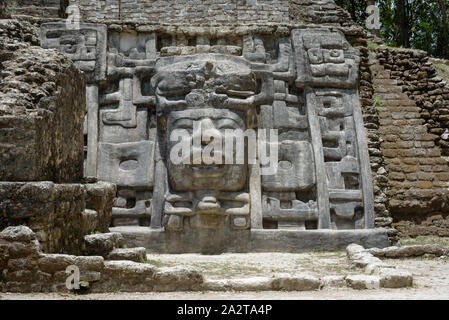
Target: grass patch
(374,46)
(444,242)
(442,70)
(156,263)
(115,289)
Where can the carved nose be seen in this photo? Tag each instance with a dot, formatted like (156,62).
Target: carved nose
(204,133)
(208,132)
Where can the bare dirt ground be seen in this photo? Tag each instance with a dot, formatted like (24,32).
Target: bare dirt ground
(431,277)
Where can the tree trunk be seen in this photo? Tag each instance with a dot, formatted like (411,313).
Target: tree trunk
(443,36)
(403,23)
(2,8)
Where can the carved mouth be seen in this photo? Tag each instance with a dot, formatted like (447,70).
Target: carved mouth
(203,171)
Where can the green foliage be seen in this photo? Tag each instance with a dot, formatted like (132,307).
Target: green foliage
(376,104)
(155,263)
(11,6)
(418,24)
(356,8)
(442,71)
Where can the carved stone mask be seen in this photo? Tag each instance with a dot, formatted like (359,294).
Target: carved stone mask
(204,96)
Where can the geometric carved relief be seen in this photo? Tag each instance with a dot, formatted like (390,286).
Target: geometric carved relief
(86,46)
(281,206)
(334,109)
(295,168)
(197,205)
(131,207)
(324,58)
(288,212)
(127,164)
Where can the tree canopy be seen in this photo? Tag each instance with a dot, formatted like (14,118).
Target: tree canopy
(418,24)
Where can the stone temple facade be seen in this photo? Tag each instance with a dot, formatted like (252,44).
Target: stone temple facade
(169,70)
(153,68)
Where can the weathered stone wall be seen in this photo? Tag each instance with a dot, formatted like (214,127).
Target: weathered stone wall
(42,108)
(25,268)
(419,80)
(410,101)
(37,8)
(188,12)
(319,12)
(371,121)
(60,214)
(191,12)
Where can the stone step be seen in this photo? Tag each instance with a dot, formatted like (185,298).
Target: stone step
(133,254)
(385,82)
(288,241)
(391,96)
(102,244)
(387,89)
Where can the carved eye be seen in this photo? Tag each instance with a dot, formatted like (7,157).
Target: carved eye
(184,124)
(178,94)
(227,124)
(335,53)
(235,94)
(129,165)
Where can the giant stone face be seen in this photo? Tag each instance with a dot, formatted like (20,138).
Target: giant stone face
(205,96)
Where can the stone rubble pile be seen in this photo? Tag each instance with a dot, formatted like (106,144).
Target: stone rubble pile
(377,273)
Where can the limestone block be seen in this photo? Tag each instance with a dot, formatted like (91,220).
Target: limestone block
(91,263)
(333,282)
(19,234)
(244,284)
(133,254)
(102,244)
(122,270)
(20,249)
(51,263)
(177,279)
(395,278)
(361,282)
(296,283)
